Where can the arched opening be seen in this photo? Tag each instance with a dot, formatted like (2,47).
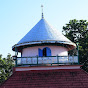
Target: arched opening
(44,52)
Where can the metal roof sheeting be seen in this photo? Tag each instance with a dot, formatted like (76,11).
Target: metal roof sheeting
(43,32)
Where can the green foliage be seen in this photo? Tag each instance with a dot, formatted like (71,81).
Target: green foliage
(6,65)
(76,31)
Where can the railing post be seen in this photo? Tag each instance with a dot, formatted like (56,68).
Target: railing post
(21,60)
(57,59)
(37,60)
(73,58)
(15,58)
(16,62)
(68,58)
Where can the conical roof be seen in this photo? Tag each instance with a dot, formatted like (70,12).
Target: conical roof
(42,32)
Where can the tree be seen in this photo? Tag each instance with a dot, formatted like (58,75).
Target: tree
(6,65)
(76,31)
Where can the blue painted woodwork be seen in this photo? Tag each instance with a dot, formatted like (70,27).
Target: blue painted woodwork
(44,52)
(40,52)
(48,51)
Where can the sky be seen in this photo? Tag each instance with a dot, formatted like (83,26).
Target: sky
(18,17)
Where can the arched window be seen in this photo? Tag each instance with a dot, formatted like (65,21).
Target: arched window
(45,52)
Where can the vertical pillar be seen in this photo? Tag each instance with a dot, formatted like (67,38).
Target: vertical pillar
(16,52)
(21,53)
(78,52)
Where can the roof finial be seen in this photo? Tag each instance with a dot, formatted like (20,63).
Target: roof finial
(42,11)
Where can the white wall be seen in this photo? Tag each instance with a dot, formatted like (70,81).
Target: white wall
(55,50)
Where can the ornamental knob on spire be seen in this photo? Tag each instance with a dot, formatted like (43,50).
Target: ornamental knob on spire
(42,11)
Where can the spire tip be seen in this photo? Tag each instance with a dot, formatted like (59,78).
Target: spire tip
(42,11)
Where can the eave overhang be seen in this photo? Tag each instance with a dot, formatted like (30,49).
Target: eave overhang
(66,44)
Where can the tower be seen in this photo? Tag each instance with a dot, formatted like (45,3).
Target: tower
(44,44)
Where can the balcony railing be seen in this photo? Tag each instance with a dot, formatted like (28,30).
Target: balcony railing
(47,60)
